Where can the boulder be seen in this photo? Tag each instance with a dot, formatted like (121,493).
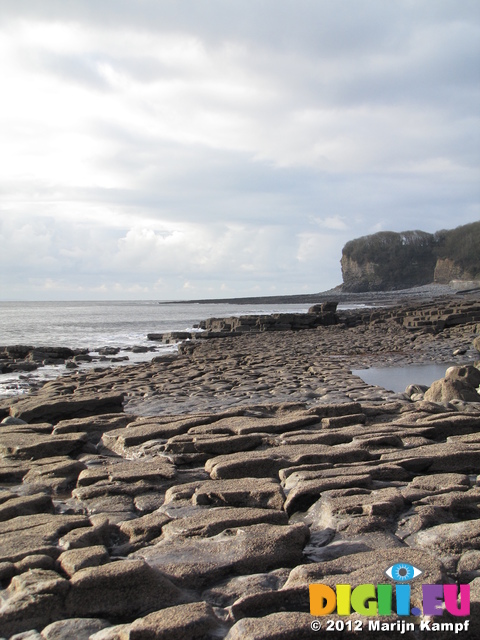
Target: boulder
(33,600)
(467,374)
(476,343)
(27,635)
(448,389)
(10,420)
(324,307)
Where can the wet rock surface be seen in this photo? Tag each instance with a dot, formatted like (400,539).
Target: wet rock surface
(232,477)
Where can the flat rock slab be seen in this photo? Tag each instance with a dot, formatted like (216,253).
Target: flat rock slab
(13,470)
(341,545)
(228,591)
(284,625)
(76,559)
(457,457)
(141,530)
(212,444)
(35,534)
(152,471)
(210,522)
(194,562)
(195,620)
(78,628)
(25,505)
(391,479)
(263,493)
(453,537)
(356,510)
(264,464)
(127,588)
(242,425)
(145,429)
(35,446)
(57,473)
(305,493)
(93,424)
(369,568)
(267,602)
(51,408)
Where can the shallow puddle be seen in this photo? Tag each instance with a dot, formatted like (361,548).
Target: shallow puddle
(398,378)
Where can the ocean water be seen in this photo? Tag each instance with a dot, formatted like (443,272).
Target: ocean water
(99,324)
(93,325)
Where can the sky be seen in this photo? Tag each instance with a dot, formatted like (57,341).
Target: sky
(153,149)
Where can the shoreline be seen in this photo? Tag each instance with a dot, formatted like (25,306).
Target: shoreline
(395,296)
(206,490)
(27,369)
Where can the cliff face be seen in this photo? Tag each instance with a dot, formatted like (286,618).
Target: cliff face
(387,261)
(447,270)
(458,254)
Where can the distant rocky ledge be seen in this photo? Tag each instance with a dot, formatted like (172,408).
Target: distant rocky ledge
(431,315)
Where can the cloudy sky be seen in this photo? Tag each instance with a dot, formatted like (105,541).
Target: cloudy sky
(161,149)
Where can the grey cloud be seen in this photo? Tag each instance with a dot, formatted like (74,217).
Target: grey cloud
(362,116)
(326,26)
(83,70)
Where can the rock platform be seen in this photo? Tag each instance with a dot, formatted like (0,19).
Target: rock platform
(198,496)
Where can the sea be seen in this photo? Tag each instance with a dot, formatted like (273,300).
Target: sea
(97,324)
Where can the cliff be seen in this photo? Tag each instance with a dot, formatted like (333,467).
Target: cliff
(387,260)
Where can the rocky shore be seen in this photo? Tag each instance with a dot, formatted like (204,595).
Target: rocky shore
(199,495)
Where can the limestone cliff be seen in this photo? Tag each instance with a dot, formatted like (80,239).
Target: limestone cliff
(387,260)
(458,253)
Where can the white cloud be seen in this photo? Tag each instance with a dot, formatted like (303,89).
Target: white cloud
(336,223)
(232,146)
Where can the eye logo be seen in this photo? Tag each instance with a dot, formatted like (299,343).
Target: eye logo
(403,572)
